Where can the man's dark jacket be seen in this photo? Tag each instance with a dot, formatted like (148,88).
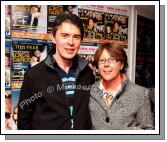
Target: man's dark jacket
(43,103)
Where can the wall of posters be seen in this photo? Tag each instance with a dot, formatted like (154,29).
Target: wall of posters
(104,23)
(28,33)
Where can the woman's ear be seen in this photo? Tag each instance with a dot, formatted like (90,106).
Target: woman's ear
(122,65)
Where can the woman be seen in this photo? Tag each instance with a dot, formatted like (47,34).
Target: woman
(116,32)
(115,102)
(90,28)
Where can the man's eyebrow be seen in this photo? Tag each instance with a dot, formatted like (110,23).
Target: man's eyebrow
(77,35)
(69,34)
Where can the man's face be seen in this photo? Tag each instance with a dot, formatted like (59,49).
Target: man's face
(67,40)
(34,9)
(8,112)
(70,9)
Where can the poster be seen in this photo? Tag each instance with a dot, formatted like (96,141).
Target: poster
(93,22)
(7,21)
(25,55)
(7,64)
(53,11)
(15,100)
(29,21)
(104,23)
(8,109)
(87,51)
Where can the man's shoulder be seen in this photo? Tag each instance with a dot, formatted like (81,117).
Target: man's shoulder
(36,69)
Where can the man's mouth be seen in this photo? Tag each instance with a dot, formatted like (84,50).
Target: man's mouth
(69,50)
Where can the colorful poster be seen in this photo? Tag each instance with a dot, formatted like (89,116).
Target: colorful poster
(116,27)
(8,110)
(15,100)
(105,23)
(93,22)
(25,55)
(53,11)
(7,21)
(7,64)
(88,48)
(29,21)
(87,51)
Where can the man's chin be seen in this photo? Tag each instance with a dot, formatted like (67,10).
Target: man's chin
(69,57)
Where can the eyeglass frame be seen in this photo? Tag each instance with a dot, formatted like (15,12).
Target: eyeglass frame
(110,60)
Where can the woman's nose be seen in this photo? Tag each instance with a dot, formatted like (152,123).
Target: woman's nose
(106,64)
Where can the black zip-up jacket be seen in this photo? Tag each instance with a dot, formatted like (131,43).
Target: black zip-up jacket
(43,103)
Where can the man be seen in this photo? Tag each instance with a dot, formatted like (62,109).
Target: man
(55,93)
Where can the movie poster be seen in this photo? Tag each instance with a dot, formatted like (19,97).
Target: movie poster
(7,64)
(8,109)
(87,51)
(53,11)
(7,21)
(29,21)
(25,55)
(116,27)
(93,22)
(15,100)
(104,23)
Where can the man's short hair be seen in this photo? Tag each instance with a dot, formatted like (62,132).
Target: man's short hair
(69,18)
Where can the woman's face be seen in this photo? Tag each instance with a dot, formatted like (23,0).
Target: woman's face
(7,62)
(91,23)
(109,68)
(116,26)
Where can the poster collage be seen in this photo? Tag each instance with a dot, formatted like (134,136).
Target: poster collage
(28,39)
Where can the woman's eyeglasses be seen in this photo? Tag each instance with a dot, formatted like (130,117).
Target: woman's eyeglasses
(110,60)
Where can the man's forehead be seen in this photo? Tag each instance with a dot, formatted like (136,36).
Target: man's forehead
(68,27)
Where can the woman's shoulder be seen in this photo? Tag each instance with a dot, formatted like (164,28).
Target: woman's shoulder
(136,89)
(95,86)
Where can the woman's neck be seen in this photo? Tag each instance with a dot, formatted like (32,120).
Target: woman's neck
(114,83)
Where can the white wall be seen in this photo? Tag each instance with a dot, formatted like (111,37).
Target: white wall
(146,11)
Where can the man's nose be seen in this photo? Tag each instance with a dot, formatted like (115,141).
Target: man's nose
(71,40)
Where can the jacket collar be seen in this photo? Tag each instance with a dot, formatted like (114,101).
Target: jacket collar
(97,93)
(79,63)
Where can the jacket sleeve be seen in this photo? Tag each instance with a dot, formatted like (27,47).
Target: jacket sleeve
(26,104)
(144,115)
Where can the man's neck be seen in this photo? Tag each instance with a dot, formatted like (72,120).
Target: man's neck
(65,64)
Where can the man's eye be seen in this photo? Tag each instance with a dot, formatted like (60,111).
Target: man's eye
(65,36)
(77,37)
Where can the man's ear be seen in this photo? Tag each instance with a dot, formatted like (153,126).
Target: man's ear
(53,39)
